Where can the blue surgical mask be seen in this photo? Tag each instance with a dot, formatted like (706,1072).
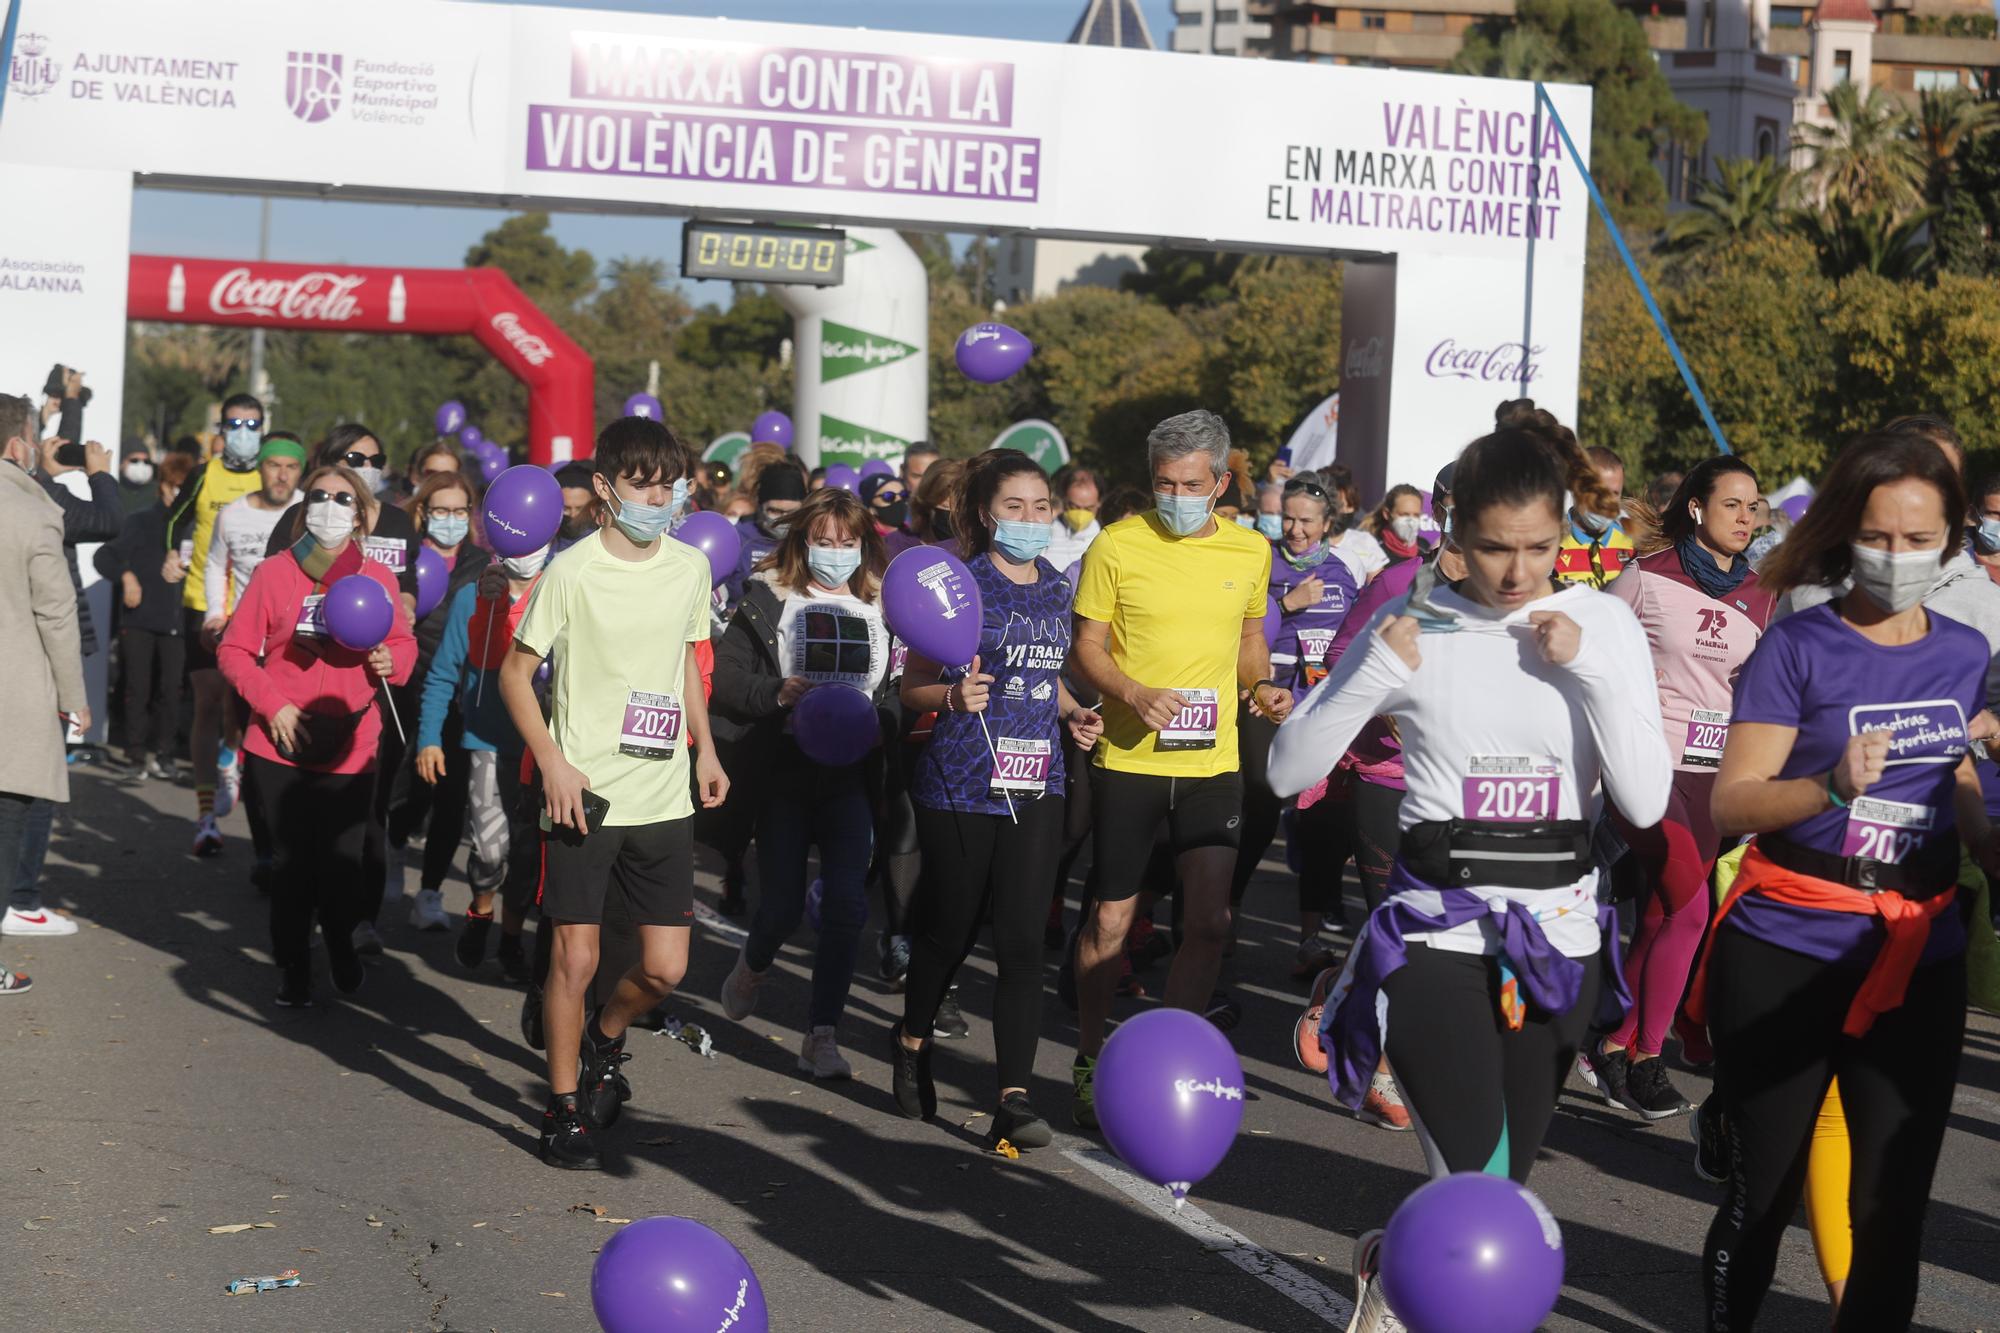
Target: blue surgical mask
(1019,540)
(833,566)
(643,522)
(1183,515)
(240,445)
(448,529)
(1987,535)
(1271,527)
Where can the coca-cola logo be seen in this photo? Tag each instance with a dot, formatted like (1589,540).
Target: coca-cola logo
(1365,360)
(1508,362)
(529,344)
(319,295)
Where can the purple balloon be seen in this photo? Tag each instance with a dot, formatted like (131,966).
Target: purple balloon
(990,353)
(1170,1097)
(491,466)
(358,612)
(715,537)
(814,892)
(1470,1253)
(674,1275)
(836,725)
(450,416)
(932,604)
(771,428)
(645,405)
(876,467)
(471,437)
(523,510)
(433,577)
(1795,508)
(841,477)
(1274,619)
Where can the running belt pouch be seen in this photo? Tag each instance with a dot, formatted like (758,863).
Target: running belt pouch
(1929,872)
(328,738)
(1459,853)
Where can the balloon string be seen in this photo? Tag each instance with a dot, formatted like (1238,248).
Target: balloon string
(1005,795)
(394,716)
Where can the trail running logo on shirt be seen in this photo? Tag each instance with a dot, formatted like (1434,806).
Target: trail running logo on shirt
(1921,731)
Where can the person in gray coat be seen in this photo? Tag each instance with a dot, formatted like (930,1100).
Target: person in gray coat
(44,674)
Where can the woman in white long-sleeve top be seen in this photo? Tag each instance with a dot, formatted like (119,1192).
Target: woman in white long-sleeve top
(1514,700)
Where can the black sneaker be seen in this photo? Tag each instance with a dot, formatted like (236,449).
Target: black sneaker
(910,1078)
(950,1023)
(514,959)
(1614,1070)
(1651,1093)
(295,988)
(1223,1011)
(472,940)
(1710,1132)
(531,1018)
(1016,1122)
(732,903)
(342,961)
(892,952)
(602,1088)
(567,1141)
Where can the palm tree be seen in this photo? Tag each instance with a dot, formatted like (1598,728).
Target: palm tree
(1867,158)
(1947,123)
(1746,197)
(1875,240)
(1521,53)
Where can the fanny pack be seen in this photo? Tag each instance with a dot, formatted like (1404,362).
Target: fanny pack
(1460,853)
(329,736)
(1931,869)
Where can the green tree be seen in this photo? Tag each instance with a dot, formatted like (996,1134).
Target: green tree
(1868,156)
(1947,123)
(1745,197)
(1181,278)
(1277,350)
(1634,113)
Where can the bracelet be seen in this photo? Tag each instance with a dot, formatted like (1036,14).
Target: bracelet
(949,707)
(1833,795)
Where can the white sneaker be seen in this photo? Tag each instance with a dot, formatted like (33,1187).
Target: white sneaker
(819,1055)
(207,838)
(41,921)
(739,990)
(427,912)
(1371,1306)
(366,941)
(228,780)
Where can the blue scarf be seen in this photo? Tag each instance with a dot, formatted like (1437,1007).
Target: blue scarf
(1712,578)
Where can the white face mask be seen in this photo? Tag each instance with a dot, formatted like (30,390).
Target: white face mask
(330,524)
(1406,527)
(525,567)
(138,472)
(1895,581)
(373,478)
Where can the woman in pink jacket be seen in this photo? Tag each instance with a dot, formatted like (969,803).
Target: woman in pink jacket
(1703,612)
(314,727)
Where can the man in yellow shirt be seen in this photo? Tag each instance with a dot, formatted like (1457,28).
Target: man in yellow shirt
(1595,549)
(1170,629)
(619,613)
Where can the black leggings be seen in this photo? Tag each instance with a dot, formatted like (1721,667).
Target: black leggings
(969,861)
(897,863)
(318,825)
(1481,1094)
(1361,826)
(150,725)
(1775,1017)
(1261,805)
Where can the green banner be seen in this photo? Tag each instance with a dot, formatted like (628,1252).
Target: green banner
(845,351)
(1039,440)
(844,442)
(855,246)
(727,449)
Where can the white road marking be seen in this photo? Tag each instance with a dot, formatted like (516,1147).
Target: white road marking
(1320,1300)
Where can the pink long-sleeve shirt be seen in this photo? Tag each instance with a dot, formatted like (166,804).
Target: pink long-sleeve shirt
(317,674)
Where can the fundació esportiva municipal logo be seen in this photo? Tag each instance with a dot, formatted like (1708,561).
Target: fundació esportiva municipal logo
(313,85)
(33,71)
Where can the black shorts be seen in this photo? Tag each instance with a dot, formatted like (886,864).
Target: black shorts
(200,657)
(651,866)
(1128,808)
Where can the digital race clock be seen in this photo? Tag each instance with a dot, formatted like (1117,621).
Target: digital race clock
(814,255)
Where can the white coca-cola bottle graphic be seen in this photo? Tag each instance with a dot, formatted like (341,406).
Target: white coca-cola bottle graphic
(177,291)
(398,298)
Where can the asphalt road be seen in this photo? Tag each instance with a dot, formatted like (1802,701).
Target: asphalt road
(383,1147)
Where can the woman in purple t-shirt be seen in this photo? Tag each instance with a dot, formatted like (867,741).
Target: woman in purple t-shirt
(1841,950)
(988,788)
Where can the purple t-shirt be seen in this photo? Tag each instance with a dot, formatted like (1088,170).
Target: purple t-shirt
(1813,672)
(1303,649)
(1023,642)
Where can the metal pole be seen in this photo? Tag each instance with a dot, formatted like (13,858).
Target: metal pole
(1534,230)
(257,334)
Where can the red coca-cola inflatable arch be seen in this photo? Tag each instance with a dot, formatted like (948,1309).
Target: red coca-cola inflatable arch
(337,298)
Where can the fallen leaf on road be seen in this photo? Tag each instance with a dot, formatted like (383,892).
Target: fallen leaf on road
(374,1221)
(619,1221)
(234,1227)
(281,1196)
(107,1143)
(33,1226)
(1260,1131)
(1006,1149)
(477,1225)
(978,1115)
(595,1210)
(557,1294)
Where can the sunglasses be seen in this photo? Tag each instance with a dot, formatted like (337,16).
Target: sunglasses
(1312,488)
(355,458)
(231,423)
(342,498)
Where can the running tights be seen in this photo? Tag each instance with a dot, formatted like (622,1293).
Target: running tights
(1261,806)
(1678,855)
(1775,1017)
(970,861)
(1480,1094)
(318,823)
(1361,825)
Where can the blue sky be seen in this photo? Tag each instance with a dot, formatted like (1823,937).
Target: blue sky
(312,231)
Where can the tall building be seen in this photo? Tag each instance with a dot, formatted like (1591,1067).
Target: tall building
(1224,27)
(1724,71)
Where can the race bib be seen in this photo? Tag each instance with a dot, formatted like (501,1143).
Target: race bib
(1193,728)
(1021,767)
(1512,788)
(389,552)
(1886,831)
(1707,730)
(652,725)
(312,617)
(1314,644)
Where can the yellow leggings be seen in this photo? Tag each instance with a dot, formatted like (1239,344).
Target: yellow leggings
(1827,1170)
